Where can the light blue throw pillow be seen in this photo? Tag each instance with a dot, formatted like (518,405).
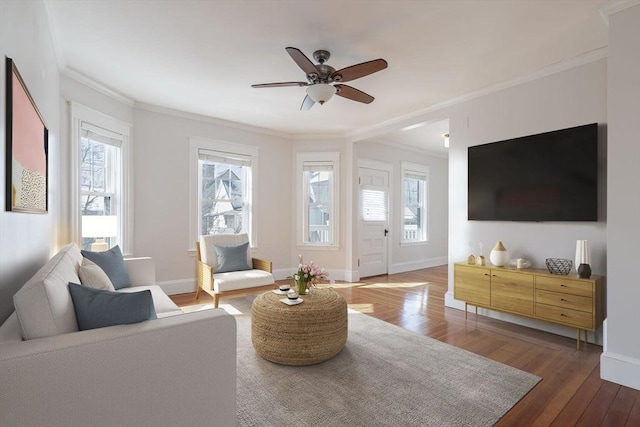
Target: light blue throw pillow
(112,263)
(98,308)
(232,258)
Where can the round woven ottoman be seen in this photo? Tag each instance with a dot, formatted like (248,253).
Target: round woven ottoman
(303,334)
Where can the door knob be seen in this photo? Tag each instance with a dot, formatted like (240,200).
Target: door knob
(386,232)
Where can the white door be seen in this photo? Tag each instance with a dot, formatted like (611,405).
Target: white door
(373,219)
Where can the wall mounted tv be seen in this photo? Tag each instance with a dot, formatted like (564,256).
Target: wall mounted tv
(552,176)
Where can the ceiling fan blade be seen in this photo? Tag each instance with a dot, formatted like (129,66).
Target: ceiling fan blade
(302,61)
(283,84)
(354,94)
(307,103)
(359,70)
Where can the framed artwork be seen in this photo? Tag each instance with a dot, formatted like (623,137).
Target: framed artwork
(27,145)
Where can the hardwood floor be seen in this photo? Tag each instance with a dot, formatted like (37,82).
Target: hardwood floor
(571,392)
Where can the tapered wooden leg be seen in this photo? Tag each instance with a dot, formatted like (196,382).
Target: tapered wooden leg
(216,299)
(465,311)
(578,336)
(197,291)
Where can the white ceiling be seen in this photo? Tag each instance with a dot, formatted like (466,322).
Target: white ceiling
(202,56)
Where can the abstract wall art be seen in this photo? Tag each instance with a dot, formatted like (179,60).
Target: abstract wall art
(27,145)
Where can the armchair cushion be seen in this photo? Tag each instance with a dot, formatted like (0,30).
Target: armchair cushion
(112,263)
(96,308)
(208,251)
(232,258)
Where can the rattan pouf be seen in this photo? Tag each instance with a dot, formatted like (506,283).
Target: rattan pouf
(302,334)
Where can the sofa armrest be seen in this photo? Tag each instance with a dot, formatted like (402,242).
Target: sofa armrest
(127,375)
(142,271)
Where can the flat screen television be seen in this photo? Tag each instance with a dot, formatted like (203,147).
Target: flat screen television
(551,176)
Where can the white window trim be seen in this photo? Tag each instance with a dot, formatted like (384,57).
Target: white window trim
(196,143)
(334,158)
(418,169)
(79,114)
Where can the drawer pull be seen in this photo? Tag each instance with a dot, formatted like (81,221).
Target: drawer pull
(563,315)
(562,285)
(563,300)
(486,274)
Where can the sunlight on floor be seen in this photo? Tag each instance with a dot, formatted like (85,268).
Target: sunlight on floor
(199,307)
(338,285)
(362,308)
(395,285)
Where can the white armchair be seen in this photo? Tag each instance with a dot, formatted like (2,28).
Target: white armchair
(217,281)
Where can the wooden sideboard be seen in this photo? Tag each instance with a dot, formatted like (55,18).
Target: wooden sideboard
(565,300)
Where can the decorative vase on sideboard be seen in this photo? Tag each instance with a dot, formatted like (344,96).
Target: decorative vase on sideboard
(499,255)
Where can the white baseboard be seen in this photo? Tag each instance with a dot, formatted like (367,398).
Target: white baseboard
(620,369)
(592,337)
(417,265)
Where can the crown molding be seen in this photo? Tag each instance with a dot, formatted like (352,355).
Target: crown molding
(614,6)
(402,121)
(209,119)
(406,148)
(316,136)
(55,41)
(73,74)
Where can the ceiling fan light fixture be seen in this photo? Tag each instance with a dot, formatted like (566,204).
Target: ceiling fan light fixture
(321,92)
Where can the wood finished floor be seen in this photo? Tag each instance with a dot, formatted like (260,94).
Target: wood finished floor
(571,392)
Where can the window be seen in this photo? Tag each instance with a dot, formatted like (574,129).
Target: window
(223,188)
(100,208)
(414,193)
(317,221)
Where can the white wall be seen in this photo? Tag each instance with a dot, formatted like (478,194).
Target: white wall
(161,192)
(28,240)
(620,361)
(414,256)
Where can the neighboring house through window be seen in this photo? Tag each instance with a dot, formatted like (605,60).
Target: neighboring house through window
(414,195)
(100,210)
(317,191)
(223,188)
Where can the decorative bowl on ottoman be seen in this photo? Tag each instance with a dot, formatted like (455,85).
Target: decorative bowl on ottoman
(559,265)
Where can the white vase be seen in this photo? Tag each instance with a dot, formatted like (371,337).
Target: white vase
(499,255)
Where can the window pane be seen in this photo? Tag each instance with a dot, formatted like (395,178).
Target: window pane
(318,206)
(414,209)
(222,200)
(374,205)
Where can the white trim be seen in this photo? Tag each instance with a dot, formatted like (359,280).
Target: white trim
(55,40)
(73,74)
(398,123)
(195,143)
(620,369)
(610,7)
(409,148)
(208,119)
(406,167)
(78,114)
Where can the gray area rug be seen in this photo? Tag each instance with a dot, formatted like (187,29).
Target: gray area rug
(385,376)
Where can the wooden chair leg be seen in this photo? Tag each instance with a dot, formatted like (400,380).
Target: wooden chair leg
(197,291)
(216,299)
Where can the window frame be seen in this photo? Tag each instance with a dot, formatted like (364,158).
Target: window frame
(251,186)
(301,210)
(421,171)
(124,191)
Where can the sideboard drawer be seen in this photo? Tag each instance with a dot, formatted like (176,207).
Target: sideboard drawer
(565,316)
(565,285)
(560,299)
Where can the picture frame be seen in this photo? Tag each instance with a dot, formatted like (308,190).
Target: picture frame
(27,148)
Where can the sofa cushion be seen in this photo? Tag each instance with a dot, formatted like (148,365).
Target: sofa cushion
(92,275)
(96,308)
(112,263)
(232,258)
(43,305)
(241,280)
(164,305)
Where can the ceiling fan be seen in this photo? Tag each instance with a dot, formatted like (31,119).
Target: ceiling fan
(320,76)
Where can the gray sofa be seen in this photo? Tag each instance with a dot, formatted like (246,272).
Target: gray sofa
(179,369)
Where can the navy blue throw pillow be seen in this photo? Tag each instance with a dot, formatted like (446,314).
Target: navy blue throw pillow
(98,308)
